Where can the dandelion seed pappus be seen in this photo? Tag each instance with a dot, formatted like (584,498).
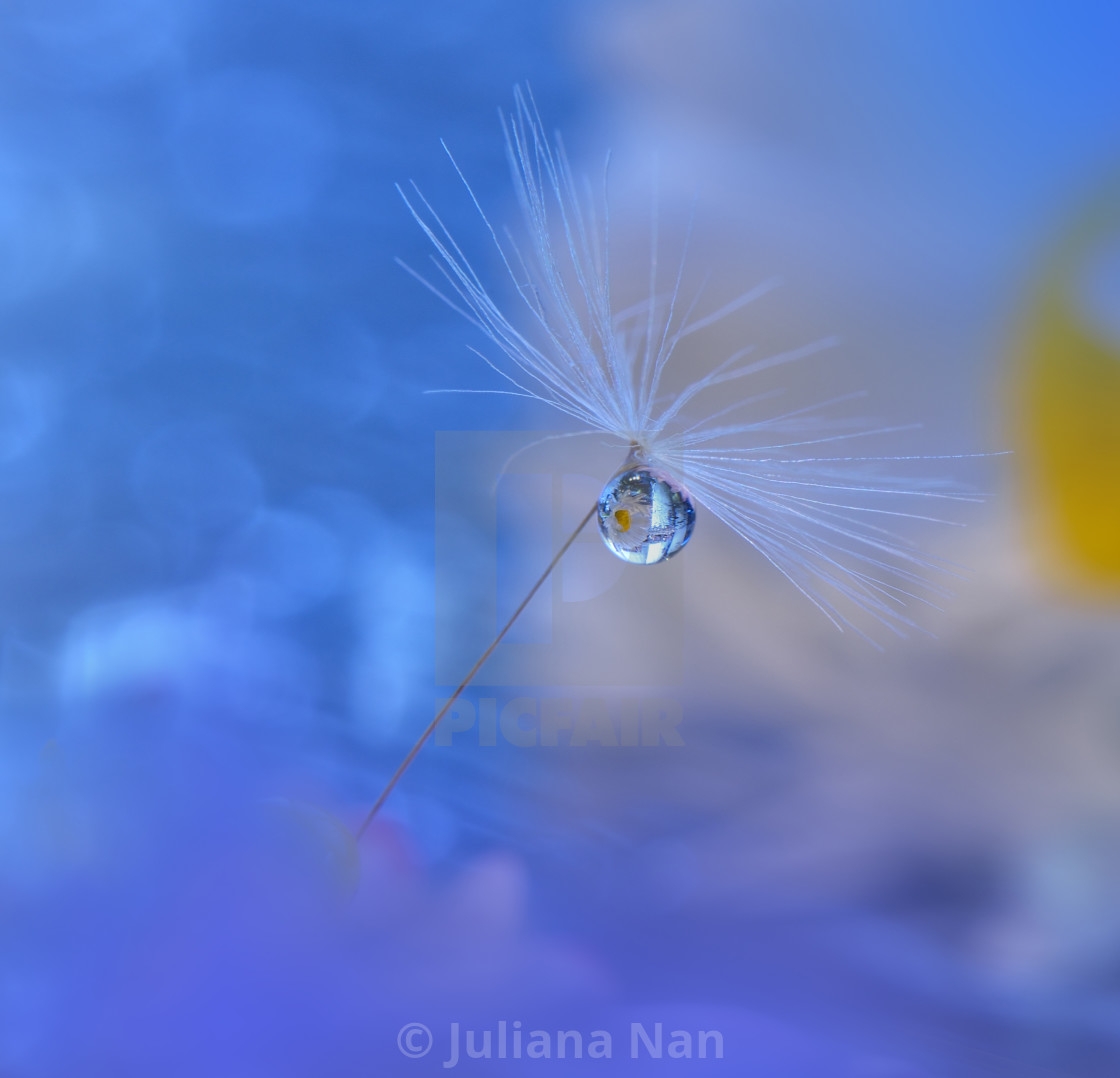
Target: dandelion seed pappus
(818,519)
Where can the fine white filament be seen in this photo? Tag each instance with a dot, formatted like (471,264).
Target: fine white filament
(822,521)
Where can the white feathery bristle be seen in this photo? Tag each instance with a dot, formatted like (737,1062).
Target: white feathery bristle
(819,520)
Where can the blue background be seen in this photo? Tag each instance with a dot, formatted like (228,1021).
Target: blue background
(217,575)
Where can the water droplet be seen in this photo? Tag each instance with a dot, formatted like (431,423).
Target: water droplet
(644,516)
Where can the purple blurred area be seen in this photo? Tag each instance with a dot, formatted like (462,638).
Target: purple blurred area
(229,548)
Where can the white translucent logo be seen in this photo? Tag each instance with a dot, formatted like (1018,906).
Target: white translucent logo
(414,1040)
(500,516)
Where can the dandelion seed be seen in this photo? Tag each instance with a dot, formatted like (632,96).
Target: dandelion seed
(821,521)
(817,519)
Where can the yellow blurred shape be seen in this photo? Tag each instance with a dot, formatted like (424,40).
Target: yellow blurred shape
(623,518)
(1067,418)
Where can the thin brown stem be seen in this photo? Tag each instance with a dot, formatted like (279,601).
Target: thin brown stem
(430,729)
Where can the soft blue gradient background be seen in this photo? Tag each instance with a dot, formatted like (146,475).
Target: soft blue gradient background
(216,553)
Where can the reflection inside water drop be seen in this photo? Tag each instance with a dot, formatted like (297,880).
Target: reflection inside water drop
(644,516)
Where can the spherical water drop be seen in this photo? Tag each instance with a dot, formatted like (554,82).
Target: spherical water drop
(644,516)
